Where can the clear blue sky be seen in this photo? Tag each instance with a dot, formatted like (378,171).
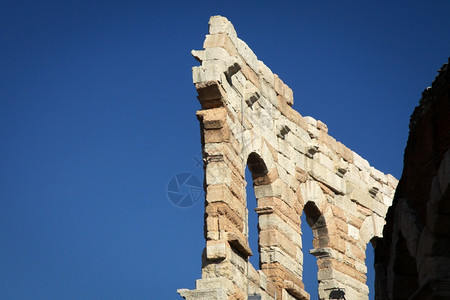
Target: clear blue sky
(97,114)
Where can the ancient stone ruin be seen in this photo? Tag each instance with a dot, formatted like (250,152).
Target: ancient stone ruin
(247,120)
(412,260)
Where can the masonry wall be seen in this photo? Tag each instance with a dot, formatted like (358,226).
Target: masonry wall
(247,120)
(413,258)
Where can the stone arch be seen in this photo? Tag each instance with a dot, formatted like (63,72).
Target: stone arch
(256,165)
(259,174)
(371,228)
(318,224)
(404,279)
(317,221)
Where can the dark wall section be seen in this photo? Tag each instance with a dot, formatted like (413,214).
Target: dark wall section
(413,258)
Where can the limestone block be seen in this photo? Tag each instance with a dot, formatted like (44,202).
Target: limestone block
(361,267)
(302,134)
(361,163)
(208,71)
(217,249)
(277,255)
(230,271)
(290,113)
(301,175)
(219,24)
(367,231)
(253,275)
(310,121)
(355,253)
(344,152)
(274,238)
(295,142)
(278,84)
(312,127)
(271,139)
(214,118)
(326,162)
(239,262)
(214,283)
(330,179)
(232,100)
(296,291)
(325,286)
(266,73)
(328,141)
(204,294)
(377,175)
(218,173)
(228,220)
(216,53)
(386,191)
(274,205)
(216,135)
(262,280)
(270,190)
(269,178)
(322,126)
(288,94)
(292,182)
(361,196)
(392,181)
(353,232)
(283,90)
(353,178)
(251,93)
(380,208)
(287,164)
(354,218)
(222,193)
(345,280)
(311,192)
(239,243)
(220,40)
(267,155)
(239,83)
(300,160)
(247,54)
(250,74)
(273,221)
(268,92)
(285,295)
(312,149)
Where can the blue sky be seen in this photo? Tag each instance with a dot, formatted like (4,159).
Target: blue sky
(97,114)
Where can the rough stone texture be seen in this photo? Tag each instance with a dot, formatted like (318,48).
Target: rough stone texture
(247,120)
(413,258)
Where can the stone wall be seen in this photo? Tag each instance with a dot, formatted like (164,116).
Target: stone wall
(247,120)
(413,258)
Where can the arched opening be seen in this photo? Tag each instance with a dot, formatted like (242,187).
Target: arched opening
(316,221)
(405,281)
(309,261)
(370,264)
(253,230)
(255,173)
(314,239)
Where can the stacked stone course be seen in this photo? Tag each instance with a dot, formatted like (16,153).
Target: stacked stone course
(247,120)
